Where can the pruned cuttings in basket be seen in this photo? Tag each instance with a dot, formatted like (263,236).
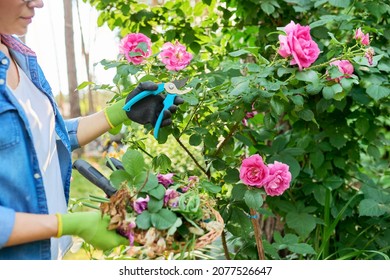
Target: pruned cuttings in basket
(160,215)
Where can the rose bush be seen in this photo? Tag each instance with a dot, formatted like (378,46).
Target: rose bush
(326,123)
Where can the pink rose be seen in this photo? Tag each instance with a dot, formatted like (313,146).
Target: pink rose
(140,204)
(165,179)
(363,38)
(345,67)
(253,171)
(174,56)
(278,180)
(298,43)
(136,47)
(171,198)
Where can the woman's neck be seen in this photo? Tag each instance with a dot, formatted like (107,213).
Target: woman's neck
(12,73)
(4,48)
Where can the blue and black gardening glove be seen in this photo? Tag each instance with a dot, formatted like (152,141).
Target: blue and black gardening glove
(144,111)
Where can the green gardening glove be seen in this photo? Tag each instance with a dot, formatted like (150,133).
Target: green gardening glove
(91,227)
(144,111)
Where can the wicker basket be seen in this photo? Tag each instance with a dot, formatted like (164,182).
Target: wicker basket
(200,242)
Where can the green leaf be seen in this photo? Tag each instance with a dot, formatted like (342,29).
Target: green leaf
(340,3)
(320,195)
(306,114)
(254,68)
(145,181)
(378,92)
(133,162)
(319,23)
(232,175)
(310,76)
(363,125)
(279,143)
(219,164)
(238,53)
(297,99)
(290,239)
(373,151)
(143,46)
(376,194)
(195,47)
(154,205)
(317,158)
(338,141)
(332,91)
(334,72)
(119,177)
(278,237)
(84,84)
(269,121)
(210,187)
(163,219)
(333,182)
(239,224)
(158,192)
(238,192)
(162,162)
(195,140)
(267,8)
(277,106)
(253,198)
(372,208)
(134,54)
(301,248)
(240,88)
(347,83)
(283,71)
(143,220)
(302,223)
(339,162)
(384,66)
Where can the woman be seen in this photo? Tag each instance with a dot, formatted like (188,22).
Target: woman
(36,145)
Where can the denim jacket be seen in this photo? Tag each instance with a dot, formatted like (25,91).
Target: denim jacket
(21,184)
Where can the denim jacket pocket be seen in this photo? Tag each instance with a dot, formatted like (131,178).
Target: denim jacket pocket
(9,126)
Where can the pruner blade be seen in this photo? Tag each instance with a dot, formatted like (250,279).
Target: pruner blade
(172,89)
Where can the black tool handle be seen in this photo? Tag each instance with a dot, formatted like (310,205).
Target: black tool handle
(94,176)
(116,162)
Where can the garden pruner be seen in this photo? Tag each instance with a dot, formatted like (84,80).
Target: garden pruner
(172,89)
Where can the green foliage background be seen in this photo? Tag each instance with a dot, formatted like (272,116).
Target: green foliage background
(334,137)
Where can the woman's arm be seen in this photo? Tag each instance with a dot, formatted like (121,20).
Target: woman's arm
(91,127)
(32,227)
